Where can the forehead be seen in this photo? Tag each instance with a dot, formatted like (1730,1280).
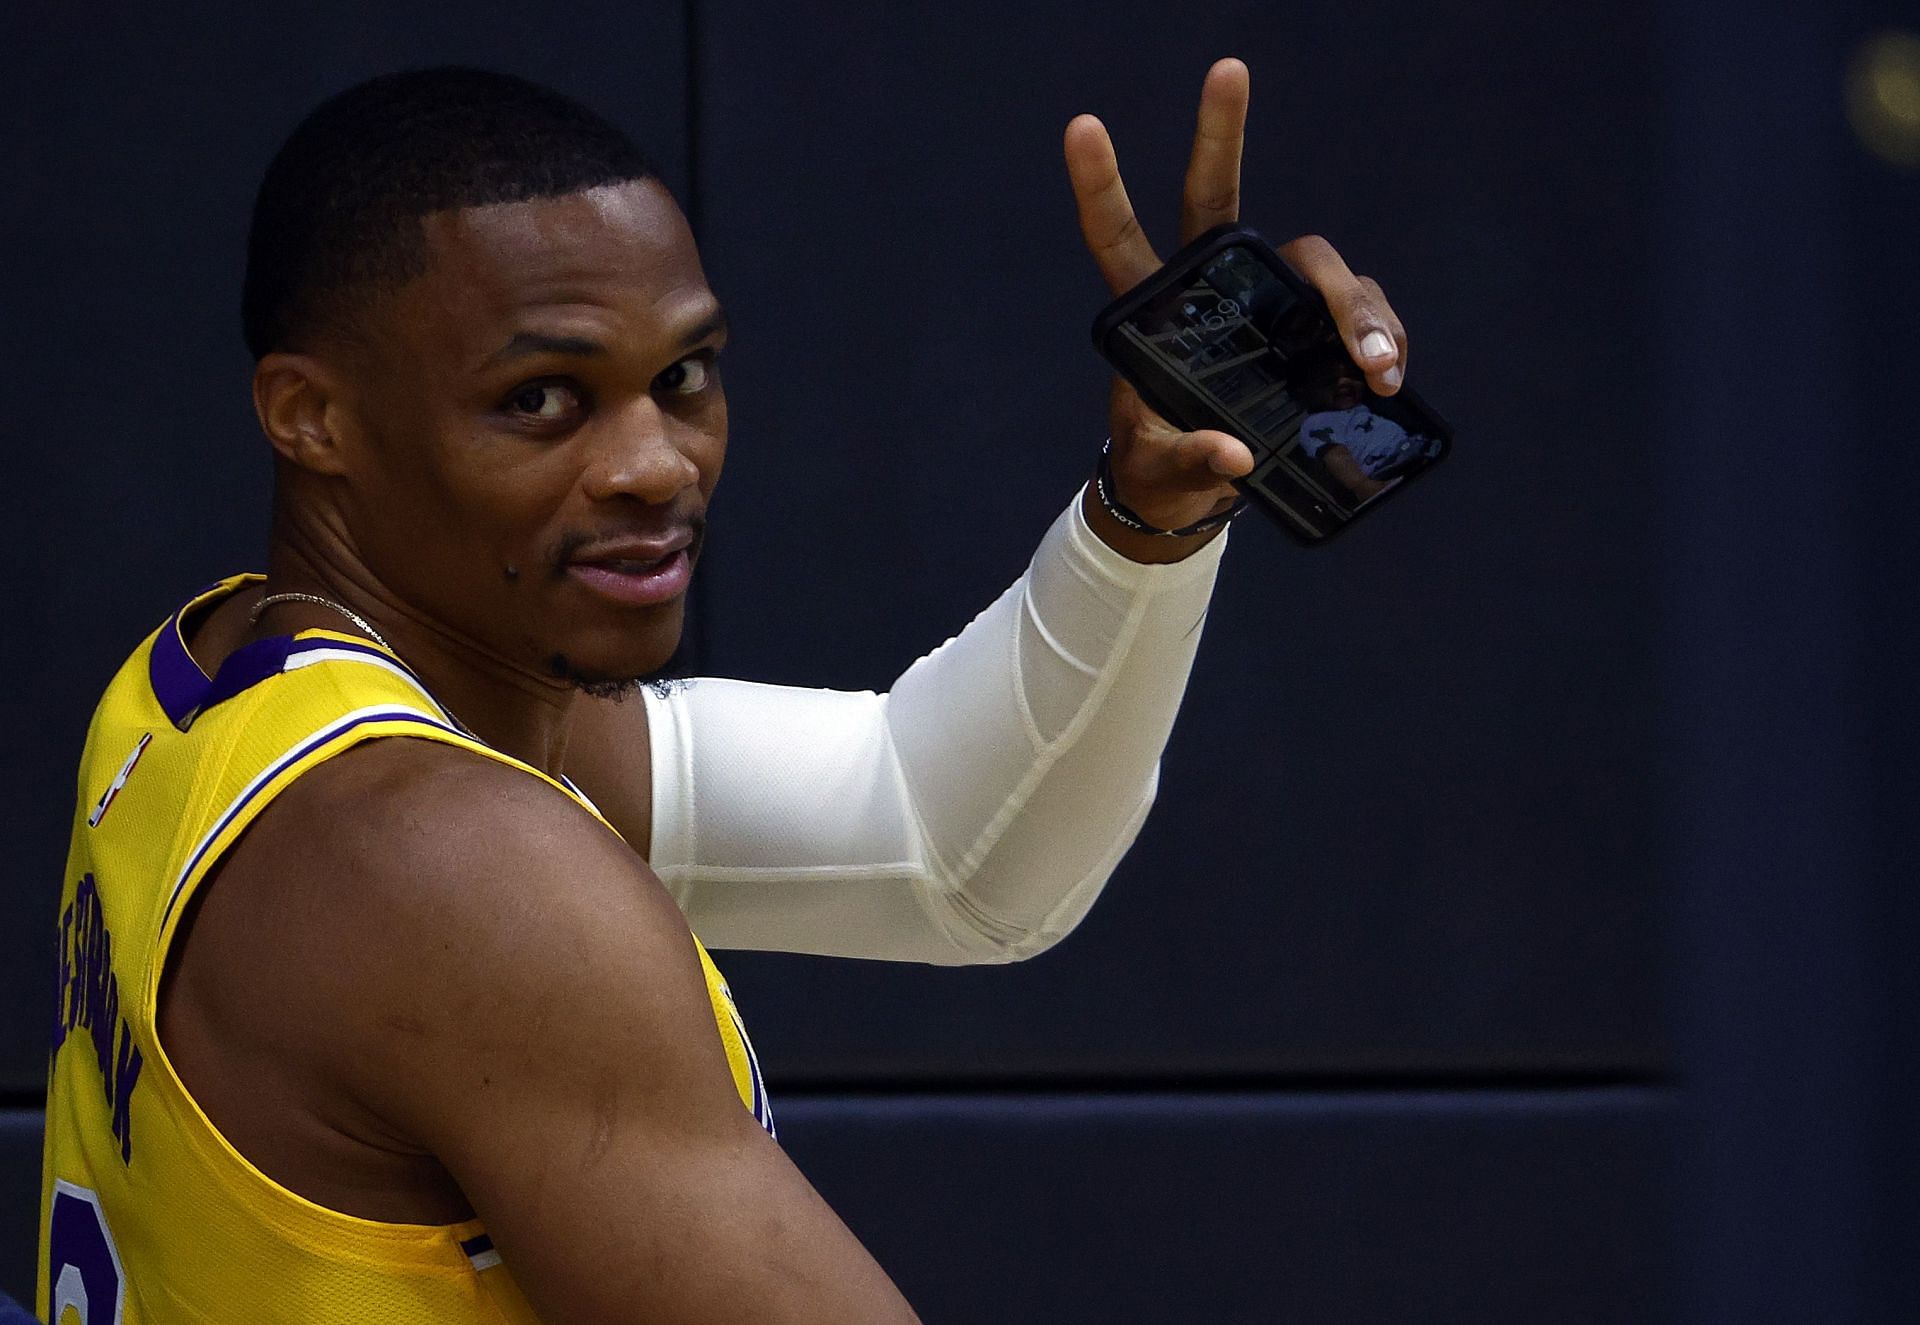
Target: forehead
(619,257)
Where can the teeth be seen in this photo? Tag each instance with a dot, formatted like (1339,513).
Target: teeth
(633,566)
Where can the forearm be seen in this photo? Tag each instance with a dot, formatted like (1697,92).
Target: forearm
(1024,837)
(971,814)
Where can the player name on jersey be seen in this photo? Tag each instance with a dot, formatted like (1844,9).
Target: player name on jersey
(87,998)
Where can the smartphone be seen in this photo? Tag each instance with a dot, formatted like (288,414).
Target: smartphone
(1226,336)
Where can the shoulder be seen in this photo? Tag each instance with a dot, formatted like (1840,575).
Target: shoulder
(397,841)
(418,846)
(396,817)
(409,909)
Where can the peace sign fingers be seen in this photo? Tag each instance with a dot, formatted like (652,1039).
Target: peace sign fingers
(1119,246)
(1212,192)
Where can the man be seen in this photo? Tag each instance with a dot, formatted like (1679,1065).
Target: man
(1365,451)
(416,1029)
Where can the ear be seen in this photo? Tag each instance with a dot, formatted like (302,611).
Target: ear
(297,400)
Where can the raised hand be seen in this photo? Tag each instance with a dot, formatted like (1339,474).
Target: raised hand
(1173,478)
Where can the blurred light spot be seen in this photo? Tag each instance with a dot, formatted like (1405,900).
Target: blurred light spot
(1883,97)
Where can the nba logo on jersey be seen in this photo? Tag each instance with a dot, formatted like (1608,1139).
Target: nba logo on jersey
(119,781)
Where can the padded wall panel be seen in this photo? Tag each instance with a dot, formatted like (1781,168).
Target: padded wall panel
(1888,335)
(1345,1209)
(1405,823)
(136,145)
(1309,1209)
(19,1201)
(1791,644)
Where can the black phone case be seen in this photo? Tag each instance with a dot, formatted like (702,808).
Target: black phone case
(1164,390)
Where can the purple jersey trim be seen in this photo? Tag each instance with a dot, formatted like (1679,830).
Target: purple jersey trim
(178,683)
(761,1107)
(312,645)
(184,690)
(246,667)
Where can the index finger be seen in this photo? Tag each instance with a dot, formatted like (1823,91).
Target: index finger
(1113,234)
(1212,191)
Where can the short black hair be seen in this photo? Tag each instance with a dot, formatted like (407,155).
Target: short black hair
(338,213)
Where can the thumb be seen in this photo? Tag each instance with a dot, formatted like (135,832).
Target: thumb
(1210,456)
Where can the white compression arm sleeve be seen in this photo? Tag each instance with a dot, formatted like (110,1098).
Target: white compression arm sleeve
(973,813)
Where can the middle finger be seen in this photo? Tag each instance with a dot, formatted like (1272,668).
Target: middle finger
(1212,192)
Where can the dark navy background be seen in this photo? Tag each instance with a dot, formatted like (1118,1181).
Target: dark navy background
(1522,931)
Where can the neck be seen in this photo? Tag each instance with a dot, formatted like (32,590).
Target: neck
(510,706)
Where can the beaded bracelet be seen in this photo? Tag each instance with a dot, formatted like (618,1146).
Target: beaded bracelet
(1103,488)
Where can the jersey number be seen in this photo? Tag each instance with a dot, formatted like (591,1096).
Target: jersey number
(83,1264)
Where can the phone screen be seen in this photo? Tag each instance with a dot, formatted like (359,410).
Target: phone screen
(1241,343)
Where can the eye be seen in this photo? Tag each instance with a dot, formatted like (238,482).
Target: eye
(544,400)
(690,376)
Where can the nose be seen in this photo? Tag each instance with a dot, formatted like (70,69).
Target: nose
(634,455)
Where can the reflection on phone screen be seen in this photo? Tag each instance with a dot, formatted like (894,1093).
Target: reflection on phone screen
(1273,364)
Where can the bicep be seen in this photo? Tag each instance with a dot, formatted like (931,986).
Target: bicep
(579,1094)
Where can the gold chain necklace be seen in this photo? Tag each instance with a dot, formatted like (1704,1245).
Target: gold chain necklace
(253,617)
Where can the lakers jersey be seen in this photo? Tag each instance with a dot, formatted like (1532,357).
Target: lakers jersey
(147,1213)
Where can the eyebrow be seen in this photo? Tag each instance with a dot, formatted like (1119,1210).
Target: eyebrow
(713,324)
(524,343)
(534,342)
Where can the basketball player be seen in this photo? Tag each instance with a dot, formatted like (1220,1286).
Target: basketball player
(378,996)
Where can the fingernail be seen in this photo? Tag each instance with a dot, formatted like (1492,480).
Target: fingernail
(1392,376)
(1377,344)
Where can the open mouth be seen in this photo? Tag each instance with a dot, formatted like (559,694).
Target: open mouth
(634,581)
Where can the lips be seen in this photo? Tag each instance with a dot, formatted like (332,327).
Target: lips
(635,572)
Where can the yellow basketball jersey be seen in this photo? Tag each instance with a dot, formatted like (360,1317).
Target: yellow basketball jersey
(147,1213)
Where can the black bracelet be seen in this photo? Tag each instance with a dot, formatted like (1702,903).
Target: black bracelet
(1103,488)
